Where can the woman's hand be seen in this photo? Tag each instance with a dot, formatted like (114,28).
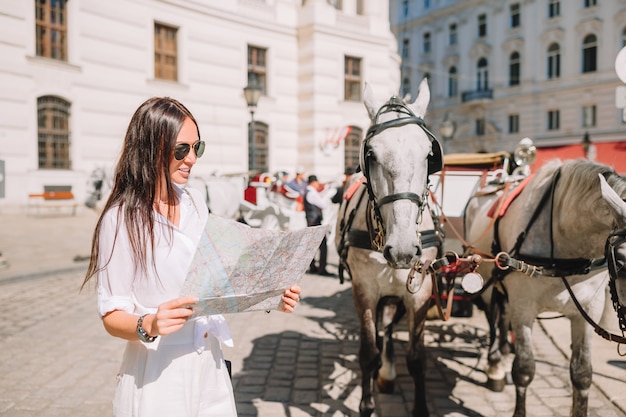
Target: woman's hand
(290,299)
(170,316)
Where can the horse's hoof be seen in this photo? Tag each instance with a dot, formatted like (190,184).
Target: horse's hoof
(496,385)
(385,386)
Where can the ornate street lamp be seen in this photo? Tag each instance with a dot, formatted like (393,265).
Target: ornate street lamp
(447,129)
(252,92)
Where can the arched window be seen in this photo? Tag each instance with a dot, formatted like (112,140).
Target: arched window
(623,43)
(554,61)
(259,148)
(482,75)
(590,51)
(53,132)
(514,69)
(352,147)
(453,82)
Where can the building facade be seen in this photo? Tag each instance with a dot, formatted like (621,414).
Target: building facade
(504,70)
(74,71)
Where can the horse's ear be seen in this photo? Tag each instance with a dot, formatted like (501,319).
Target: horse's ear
(369,101)
(423,98)
(612,198)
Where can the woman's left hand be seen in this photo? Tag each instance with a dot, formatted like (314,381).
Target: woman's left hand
(291,296)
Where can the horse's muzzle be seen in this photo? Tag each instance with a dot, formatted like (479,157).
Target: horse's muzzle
(399,259)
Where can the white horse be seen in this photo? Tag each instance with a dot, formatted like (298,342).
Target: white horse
(378,241)
(549,240)
(223,194)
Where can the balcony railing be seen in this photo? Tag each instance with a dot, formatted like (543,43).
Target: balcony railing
(477,95)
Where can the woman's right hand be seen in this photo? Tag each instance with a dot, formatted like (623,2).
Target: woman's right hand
(170,317)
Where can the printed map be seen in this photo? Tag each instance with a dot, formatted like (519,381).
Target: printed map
(238,268)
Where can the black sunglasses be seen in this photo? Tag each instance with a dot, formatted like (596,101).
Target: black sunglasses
(182,150)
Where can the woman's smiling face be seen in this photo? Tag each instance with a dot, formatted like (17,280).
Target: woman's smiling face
(180,170)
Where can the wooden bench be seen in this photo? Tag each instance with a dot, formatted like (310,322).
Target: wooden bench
(55,197)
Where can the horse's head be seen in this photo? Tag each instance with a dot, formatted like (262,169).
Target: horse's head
(397,155)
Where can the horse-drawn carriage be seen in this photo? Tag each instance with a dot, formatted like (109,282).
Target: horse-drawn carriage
(549,232)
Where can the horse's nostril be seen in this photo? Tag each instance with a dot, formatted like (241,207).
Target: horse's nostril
(387,252)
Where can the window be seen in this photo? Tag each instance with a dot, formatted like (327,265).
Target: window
(516,18)
(405,8)
(554,61)
(258,149)
(452,35)
(453,83)
(51,29)
(53,132)
(360,7)
(405,49)
(480,127)
(589,116)
(482,75)
(352,147)
(513,123)
(554,8)
(514,69)
(590,3)
(482,25)
(406,86)
(257,68)
(426,4)
(623,44)
(352,80)
(337,4)
(589,53)
(165,52)
(553,120)
(426,42)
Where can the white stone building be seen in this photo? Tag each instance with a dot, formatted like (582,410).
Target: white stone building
(74,71)
(507,69)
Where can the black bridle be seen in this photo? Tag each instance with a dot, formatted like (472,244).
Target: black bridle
(616,267)
(435,163)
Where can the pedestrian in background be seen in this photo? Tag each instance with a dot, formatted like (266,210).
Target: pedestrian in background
(314,205)
(336,199)
(142,248)
(299,184)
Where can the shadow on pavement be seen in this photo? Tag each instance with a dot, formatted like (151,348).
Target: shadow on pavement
(294,374)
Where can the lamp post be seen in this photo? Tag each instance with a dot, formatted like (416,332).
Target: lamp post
(446,129)
(588,148)
(252,92)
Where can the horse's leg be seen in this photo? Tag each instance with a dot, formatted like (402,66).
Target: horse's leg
(369,356)
(496,372)
(580,365)
(504,343)
(416,357)
(387,372)
(524,362)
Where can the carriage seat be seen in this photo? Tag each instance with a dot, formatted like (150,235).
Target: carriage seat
(508,199)
(53,199)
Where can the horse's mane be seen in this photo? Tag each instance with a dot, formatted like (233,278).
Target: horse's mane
(578,176)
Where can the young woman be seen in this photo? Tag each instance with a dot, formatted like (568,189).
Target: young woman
(142,248)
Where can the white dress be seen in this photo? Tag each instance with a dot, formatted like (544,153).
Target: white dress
(182,374)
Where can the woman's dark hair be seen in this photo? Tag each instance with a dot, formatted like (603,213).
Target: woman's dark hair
(141,169)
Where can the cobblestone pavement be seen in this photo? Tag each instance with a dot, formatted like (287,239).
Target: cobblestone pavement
(57,360)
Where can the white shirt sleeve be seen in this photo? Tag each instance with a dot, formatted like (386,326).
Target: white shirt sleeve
(314,197)
(114,262)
